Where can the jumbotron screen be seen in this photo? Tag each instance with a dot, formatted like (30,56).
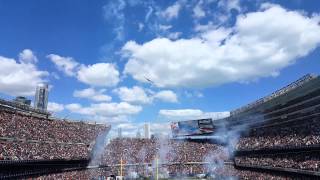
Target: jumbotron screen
(192,127)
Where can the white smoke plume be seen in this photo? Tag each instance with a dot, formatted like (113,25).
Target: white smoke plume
(99,147)
(228,136)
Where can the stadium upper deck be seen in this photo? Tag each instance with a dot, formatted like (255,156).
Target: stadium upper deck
(297,101)
(22,107)
(27,136)
(285,90)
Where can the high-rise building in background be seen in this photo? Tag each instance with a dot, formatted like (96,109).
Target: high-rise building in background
(119,133)
(138,135)
(41,97)
(22,100)
(147,130)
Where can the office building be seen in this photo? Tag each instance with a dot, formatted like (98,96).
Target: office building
(22,100)
(41,97)
(147,130)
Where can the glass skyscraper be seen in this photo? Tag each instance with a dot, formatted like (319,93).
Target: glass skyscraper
(41,97)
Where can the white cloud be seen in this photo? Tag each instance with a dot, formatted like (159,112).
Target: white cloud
(55,107)
(193,94)
(216,36)
(180,113)
(19,78)
(116,109)
(150,10)
(199,95)
(92,94)
(164,27)
(55,75)
(254,49)
(110,119)
(100,74)
(113,13)
(27,56)
(198,12)
(140,27)
(230,5)
(78,109)
(188,114)
(105,109)
(174,35)
(133,95)
(65,64)
(171,11)
(138,95)
(205,27)
(162,30)
(160,128)
(166,96)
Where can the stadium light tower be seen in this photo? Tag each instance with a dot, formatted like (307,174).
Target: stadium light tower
(41,97)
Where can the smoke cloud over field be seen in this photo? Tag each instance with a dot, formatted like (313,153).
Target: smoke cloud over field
(99,147)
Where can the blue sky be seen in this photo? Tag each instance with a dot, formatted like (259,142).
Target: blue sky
(130,62)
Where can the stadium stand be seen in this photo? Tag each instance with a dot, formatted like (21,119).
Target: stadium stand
(29,138)
(303,161)
(277,137)
(23,107)
(282,132)
(24,136)
(178,156)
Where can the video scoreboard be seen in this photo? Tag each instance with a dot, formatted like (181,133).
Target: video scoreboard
(192,127)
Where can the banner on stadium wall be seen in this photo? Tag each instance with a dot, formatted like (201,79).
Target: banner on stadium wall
(192,127)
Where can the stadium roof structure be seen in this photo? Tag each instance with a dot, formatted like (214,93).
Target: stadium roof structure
(202,137)
(22,107)
(80,121)
(29,110)
(191,120)
(300,82)
(292,103)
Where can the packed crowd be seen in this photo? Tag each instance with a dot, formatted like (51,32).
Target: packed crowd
(17,125)
(33,151)
(172,154)
(268,142)
(42,138)
(25,137)
(302,161)
(296,134)
(165,170)
(176,157)
(305,134)
(230,171)
(81,174)
(226,172)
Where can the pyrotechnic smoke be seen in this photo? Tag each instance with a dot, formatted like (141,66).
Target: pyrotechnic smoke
(99,146)
(229,137)
(215,161)
(142,155)
(164,150)
(132,174)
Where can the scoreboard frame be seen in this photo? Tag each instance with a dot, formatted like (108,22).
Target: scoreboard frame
(192,127)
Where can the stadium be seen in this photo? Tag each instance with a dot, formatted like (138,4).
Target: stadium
(275,137)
